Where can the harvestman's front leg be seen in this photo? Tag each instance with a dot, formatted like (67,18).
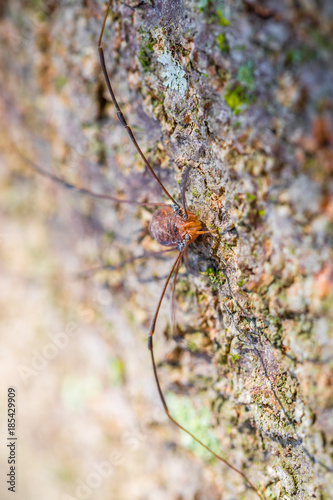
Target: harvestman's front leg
(119,112)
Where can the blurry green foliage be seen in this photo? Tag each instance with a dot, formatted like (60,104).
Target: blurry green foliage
(198,422)
(222,42)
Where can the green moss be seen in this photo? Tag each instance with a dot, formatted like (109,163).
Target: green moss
(215,277)
(241,93)
(192,346)
(222,42)
(194,191)
(250,197)
(144,58)
(237,97)
(234,99)
(198,422)
(146,50)
(222,20)
(214,12)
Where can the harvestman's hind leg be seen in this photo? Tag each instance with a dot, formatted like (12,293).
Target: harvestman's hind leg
(122,264)
(173,298)
(185,252)
(160,392)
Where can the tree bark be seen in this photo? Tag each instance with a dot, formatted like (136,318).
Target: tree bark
(241,93)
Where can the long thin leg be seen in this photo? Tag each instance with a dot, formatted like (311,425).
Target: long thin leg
(184,186)
(119,112)
(153,324)
(173,298)
(83,191)
(145,255)
(160,392)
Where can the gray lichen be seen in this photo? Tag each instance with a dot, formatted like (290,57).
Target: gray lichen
(174,76)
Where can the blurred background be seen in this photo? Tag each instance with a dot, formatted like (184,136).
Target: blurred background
(257,123)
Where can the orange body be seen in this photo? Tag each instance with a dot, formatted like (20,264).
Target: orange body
(170,229)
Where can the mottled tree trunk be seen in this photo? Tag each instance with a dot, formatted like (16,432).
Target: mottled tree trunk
(242,92)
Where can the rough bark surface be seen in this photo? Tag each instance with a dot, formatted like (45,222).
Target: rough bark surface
(241,92)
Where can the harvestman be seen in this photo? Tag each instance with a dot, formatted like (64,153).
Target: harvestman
(173,226)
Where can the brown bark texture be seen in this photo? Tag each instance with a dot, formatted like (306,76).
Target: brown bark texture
(241,93)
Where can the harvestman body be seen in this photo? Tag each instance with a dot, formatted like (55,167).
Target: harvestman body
(172,226)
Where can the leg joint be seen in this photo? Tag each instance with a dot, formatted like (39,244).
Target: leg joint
(121,118)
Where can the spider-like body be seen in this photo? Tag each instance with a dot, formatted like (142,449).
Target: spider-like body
(169,228)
